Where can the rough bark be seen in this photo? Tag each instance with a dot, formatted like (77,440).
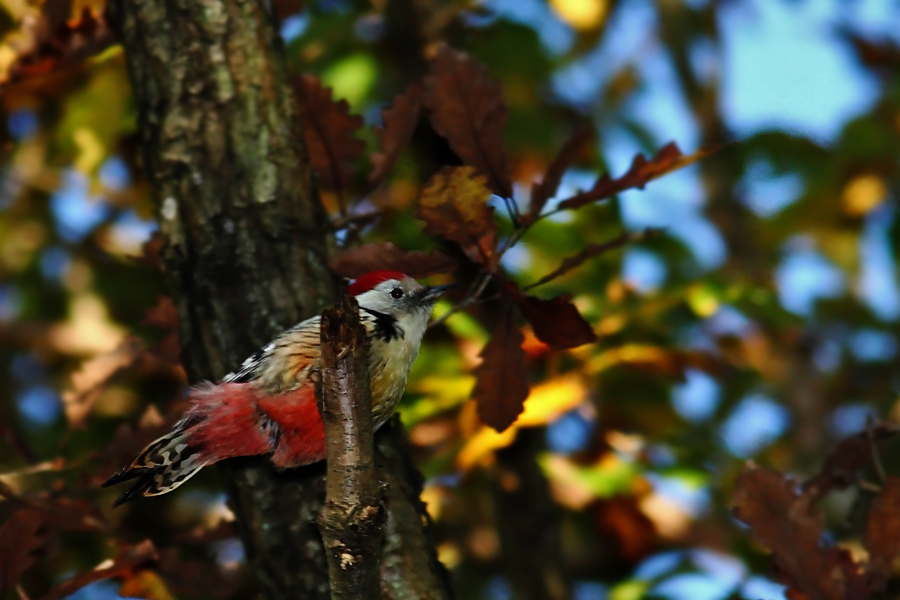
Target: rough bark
(352,521)
(245,248)
(410,569)
(244,254)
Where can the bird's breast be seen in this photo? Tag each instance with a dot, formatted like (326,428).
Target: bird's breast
(389,366)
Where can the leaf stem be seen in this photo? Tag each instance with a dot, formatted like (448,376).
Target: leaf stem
(472,297)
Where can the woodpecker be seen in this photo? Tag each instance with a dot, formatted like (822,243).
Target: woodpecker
(268,405)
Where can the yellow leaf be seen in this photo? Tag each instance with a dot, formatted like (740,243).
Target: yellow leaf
(583,15)
(703,300)
(486,440)
(630,353)
(544,404)
(550,400)
(91,151)
(441,394)
(433,496)
(863,194)
(446,391)
(632,589)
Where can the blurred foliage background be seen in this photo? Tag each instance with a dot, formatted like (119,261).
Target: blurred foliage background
(761,324)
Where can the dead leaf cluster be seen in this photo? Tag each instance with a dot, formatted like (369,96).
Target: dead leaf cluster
(466,107)
(783,517)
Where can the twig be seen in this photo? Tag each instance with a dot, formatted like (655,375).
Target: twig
(352,520)
(522,229)
(76,519)
(593,251)
(512,209)
(873,448)
(472,297)
(17,443)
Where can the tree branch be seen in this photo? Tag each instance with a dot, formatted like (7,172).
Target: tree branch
(352,520)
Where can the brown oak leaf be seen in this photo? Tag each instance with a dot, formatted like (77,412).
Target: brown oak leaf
(630,529)
(882,535)
(568,154)
(642,171)
(788,524)
(353,262)
(875,53)
(467,109)
(556,322)
(328,130)
(841,467)
(399,124)
(500,386)
(454,206)
(58,512)
(20,538)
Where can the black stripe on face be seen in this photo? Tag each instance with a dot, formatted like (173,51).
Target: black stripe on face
(386,327)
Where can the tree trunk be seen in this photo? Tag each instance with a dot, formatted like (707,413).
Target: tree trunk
(245,250)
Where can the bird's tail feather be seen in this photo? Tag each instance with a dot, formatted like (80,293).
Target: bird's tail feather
(162,466)
(222,421)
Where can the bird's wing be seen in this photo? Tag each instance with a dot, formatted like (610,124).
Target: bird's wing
(283,364)
(301,435)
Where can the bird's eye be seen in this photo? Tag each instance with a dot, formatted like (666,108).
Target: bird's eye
(396,293)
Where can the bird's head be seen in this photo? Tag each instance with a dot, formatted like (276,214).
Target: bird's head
(402,304)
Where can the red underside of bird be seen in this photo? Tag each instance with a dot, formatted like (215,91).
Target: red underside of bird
(231,424)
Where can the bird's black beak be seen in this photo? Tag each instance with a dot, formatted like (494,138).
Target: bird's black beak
(431,294)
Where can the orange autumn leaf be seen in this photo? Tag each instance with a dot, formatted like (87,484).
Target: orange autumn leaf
(93,377)
(147,585)
(545,403)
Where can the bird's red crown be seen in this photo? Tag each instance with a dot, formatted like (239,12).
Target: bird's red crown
(367,282)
